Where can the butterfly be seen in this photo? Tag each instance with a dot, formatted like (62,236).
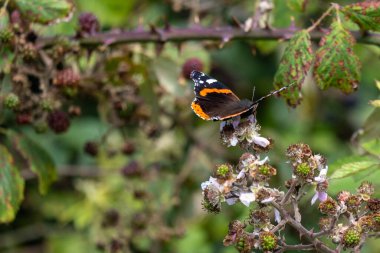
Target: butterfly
(215,101)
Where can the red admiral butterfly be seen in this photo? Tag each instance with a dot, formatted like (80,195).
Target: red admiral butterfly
(215,101)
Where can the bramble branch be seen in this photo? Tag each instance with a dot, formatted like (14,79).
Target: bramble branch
(222,34)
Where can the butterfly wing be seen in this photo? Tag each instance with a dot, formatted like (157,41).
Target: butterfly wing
(214,100)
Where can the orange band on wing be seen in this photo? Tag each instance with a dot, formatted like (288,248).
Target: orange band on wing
(205,91)
(198,110)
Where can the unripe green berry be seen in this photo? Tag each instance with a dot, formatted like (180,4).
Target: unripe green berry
(11,101)
(303,170)
(6,35)
(268,241)
(223,171)
(351,237)
(46,105)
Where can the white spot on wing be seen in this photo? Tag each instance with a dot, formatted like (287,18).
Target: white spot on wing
(210,81)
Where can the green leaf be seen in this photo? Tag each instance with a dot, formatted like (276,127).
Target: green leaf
(365,14)
(294,65)
(11,186)
(46,11)
(351,165)
(37,159)
(167,72)
(297,5)
(372,146)
(375,103)
(336,65)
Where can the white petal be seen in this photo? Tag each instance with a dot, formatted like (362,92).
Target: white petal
(267,200)
(277,216)
(231,201)
(261,162)
(247,197)
(233,141)
(241,174)
(315,197)
(261,141)
(205,184)
(322,175)
(222,125)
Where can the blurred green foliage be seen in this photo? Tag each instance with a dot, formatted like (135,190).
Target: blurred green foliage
(161,210)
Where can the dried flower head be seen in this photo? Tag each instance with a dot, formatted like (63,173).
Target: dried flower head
(263,173)
(373,204)
(353,203)
(299,152)
(235,229)
(366,188)
(366,223)
(245,243)
(259,217)
(329,207)
(263,194)
(343,196)
(325,223)
(211,199)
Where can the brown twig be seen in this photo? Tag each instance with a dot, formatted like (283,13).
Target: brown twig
(197,33)
(320,246)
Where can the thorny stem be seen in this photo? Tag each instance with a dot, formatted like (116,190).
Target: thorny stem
(280,225)
(289,192)
(320,246)
(286,247)
(199,33)
(324,15)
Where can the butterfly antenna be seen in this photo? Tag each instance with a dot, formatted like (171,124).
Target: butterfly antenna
(273,93)
(253,93)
